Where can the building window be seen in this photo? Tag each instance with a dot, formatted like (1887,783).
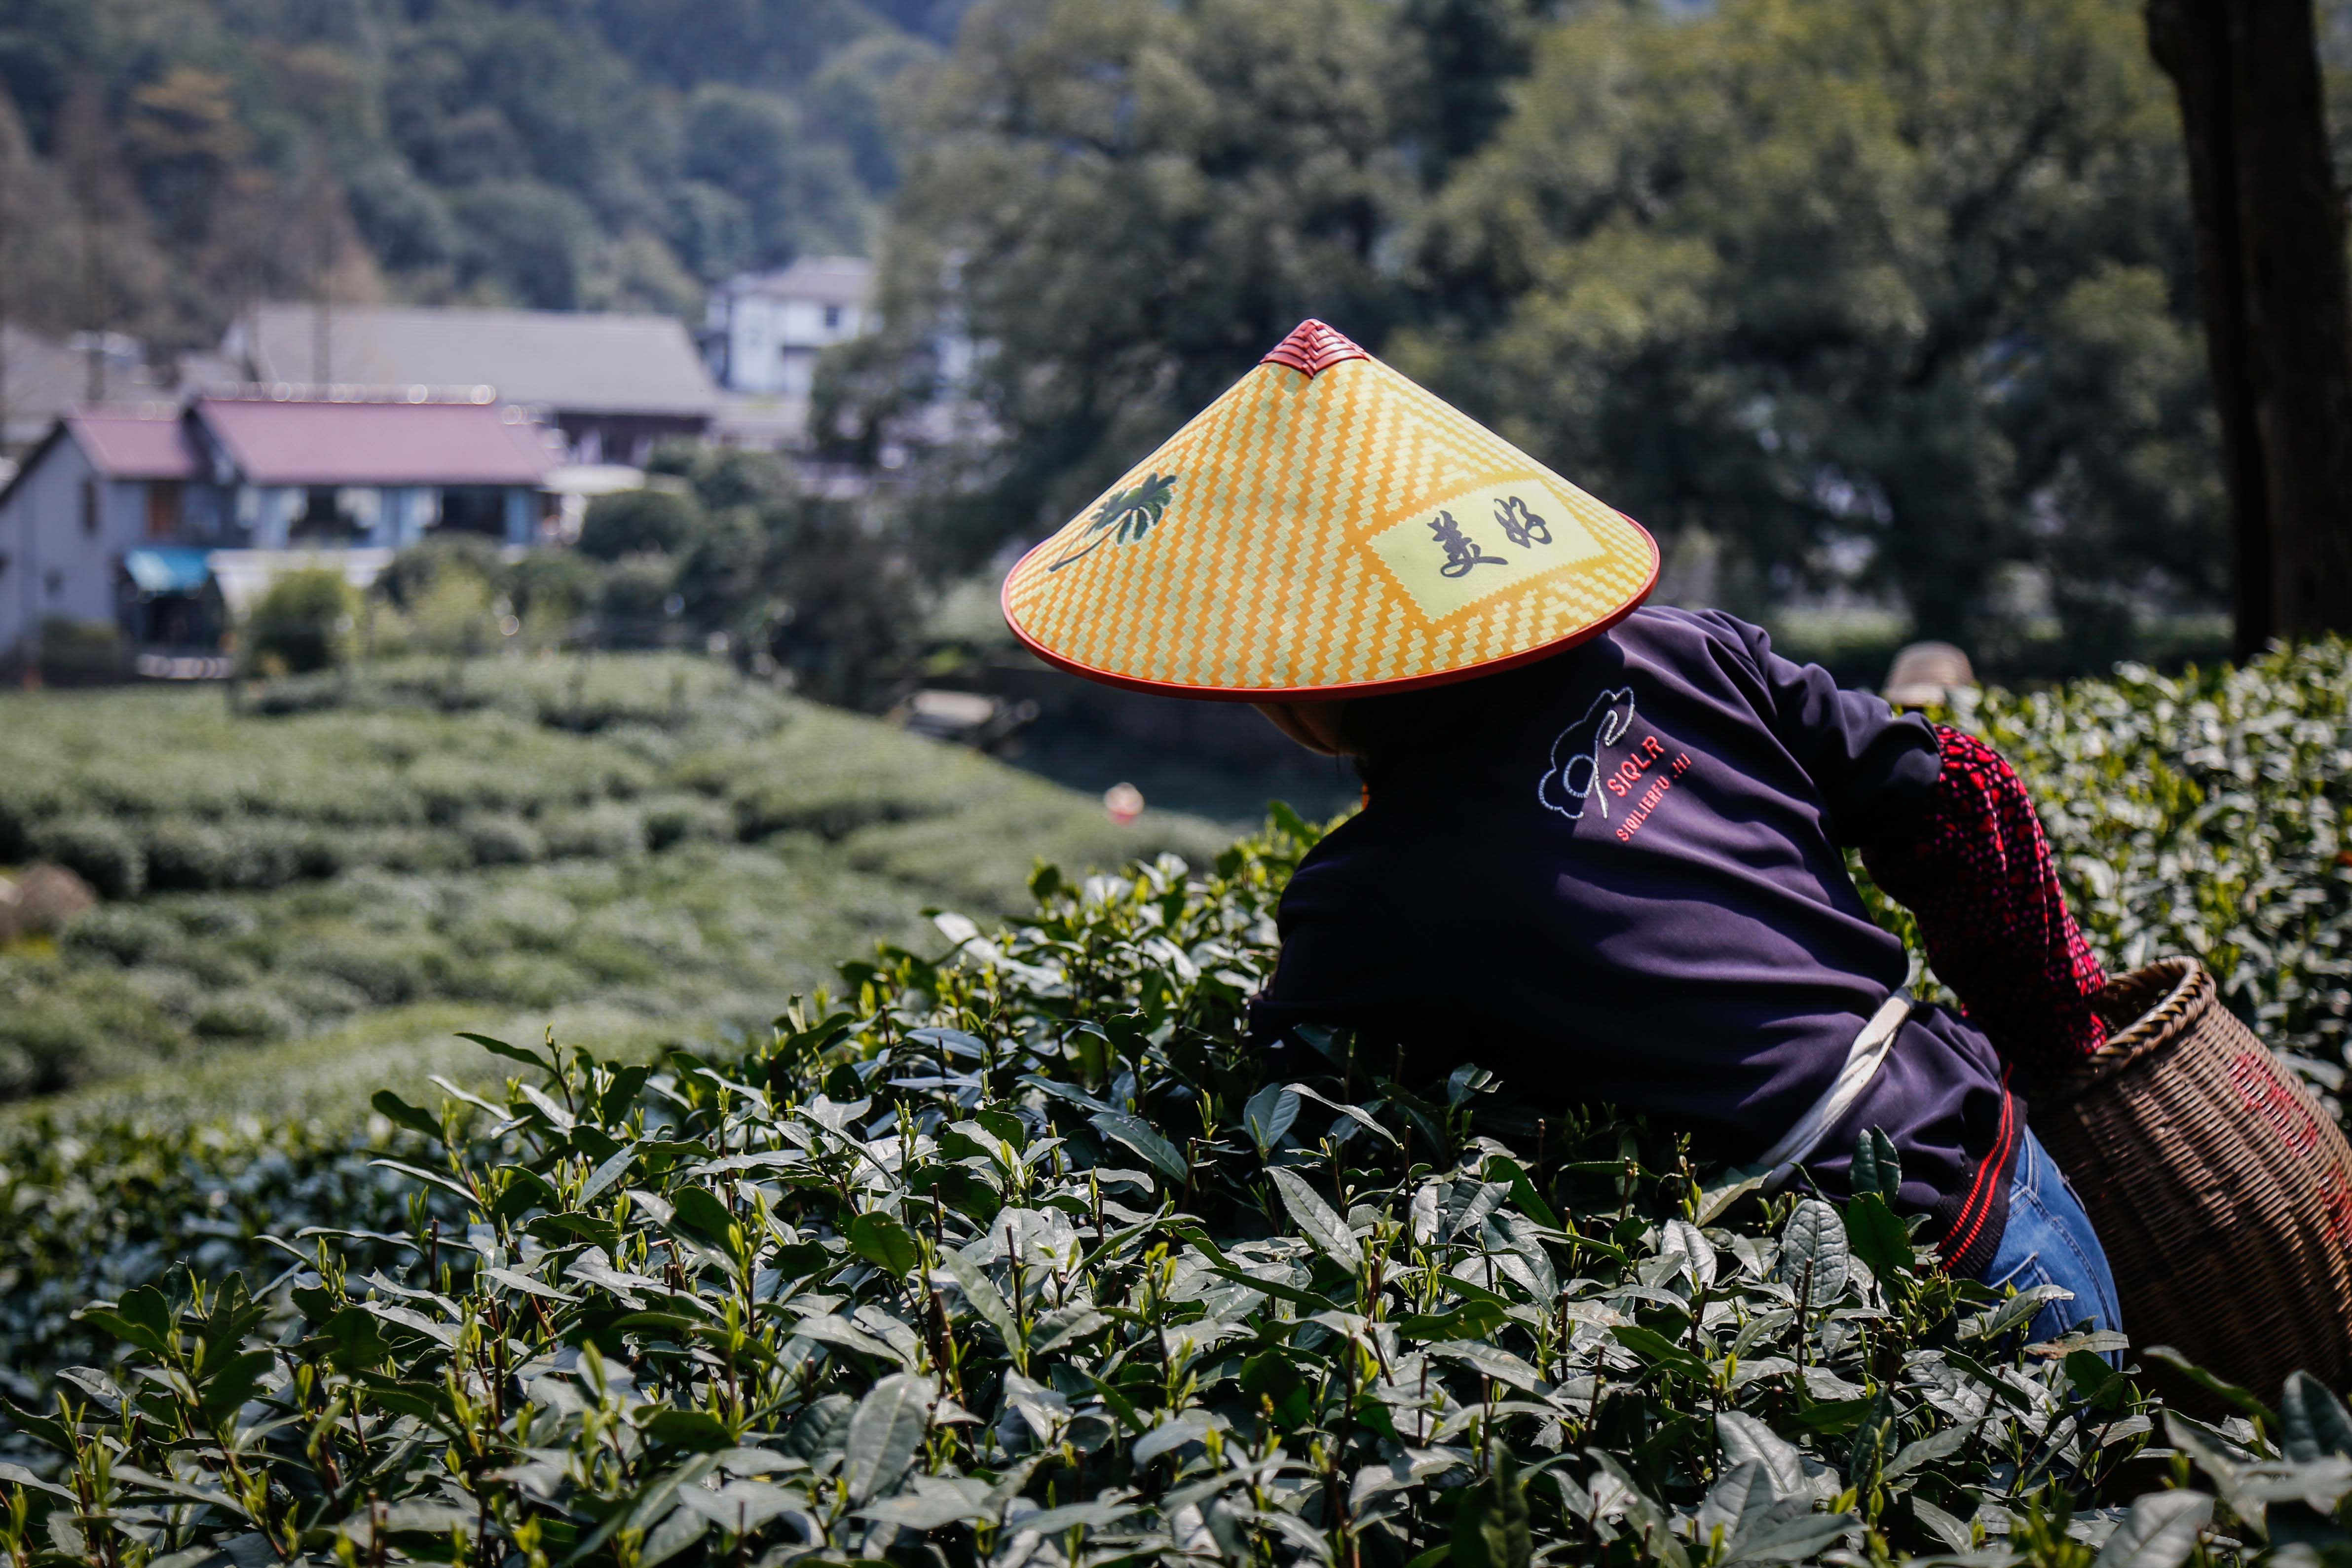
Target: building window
(324,518)
(54,581)
(90,507)
(473,509)
(833,318)
(163,509)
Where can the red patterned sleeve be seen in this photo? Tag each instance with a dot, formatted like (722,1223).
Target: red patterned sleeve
(1977,874)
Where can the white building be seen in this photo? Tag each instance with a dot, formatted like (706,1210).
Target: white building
(762,336)
(762,331)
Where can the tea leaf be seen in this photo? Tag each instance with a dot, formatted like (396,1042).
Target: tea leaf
(884,1432)
(1491,1522)
(1157,1152)
(1323,1226)
(1268,1115)
(1814,1251)
(2159,1532)
(882,1241)
(402,1115)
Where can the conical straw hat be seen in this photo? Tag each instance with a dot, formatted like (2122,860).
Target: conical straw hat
(1326,528)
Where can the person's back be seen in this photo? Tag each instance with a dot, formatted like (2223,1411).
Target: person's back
(1616,876)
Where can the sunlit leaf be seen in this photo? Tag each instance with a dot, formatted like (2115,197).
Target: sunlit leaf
(1321,1222)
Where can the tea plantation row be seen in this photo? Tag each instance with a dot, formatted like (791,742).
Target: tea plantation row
(655,834)
(1017,1258)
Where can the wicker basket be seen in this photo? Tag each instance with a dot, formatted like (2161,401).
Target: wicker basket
(2221,1189)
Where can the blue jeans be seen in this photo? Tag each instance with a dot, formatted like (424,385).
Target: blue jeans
(2049,1241)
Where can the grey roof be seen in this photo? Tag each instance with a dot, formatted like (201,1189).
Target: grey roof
(825,279)
(570,361)
(45,377)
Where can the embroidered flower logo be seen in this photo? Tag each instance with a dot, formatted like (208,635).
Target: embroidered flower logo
(1567,784)
(1124,516)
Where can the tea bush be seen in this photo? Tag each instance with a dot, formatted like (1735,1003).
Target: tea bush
(1017,1255)
(353,821)
(98,849)
(2207,814)
(303,622)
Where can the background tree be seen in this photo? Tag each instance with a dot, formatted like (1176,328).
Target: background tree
(489,151)
(2271,265)
(797,194)
(823,590)
(183,140)
(303,623)
(36,262)
(117,267)
(1877,294)
(1469,54)
(637,522)
(1885,288)
(1123,204)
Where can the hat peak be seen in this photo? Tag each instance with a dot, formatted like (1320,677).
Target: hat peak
(1312,348)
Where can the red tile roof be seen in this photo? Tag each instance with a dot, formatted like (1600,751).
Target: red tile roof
(136,443)
(300,443)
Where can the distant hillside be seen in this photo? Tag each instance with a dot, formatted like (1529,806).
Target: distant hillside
(560,153)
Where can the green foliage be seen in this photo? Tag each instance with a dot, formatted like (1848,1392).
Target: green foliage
(656,834)
(552,587)
(99,849)
(2207,814)
(411,576)
(639,522)
(1017,1249)
(823,592)
(1795,272)
(794,196)
(1128,203)
(617,156)
(303,623)
(1871,292)
(530,240)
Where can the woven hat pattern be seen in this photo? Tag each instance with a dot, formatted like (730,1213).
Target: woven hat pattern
(1312,531)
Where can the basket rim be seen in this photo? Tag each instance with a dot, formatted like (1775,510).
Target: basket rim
(2154,1030)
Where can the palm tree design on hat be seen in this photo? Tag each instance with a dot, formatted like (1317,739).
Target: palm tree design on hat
(1125,516)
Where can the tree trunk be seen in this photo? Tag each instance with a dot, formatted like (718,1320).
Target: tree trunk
(2278,311)
(2301,310)
(2190,40)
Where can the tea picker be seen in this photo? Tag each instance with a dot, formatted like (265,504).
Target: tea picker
(1601,854)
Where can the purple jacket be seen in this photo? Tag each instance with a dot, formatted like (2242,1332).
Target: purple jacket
(1619,878)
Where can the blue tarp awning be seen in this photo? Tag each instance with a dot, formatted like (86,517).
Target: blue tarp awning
(168,570)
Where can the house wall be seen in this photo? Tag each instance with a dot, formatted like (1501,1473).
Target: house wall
(523,516)
(208,516)
(265,513)
(773,341)
(405,514)
(60,567)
